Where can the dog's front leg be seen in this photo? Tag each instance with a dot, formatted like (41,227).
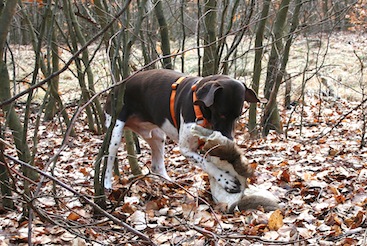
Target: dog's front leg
(227,181)
(189,144)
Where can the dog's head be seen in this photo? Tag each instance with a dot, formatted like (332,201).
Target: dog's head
(221,100)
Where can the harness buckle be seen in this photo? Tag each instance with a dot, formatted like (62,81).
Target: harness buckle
(199,120)
(174,86)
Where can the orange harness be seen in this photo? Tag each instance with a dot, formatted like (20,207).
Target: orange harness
(200,120)
(172,99)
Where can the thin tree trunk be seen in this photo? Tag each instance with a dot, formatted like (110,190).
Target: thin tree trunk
(259,49)
(38,56)
(80,75)
(183,28)
(163,28)
(129,41)
(99,169)
(5,190)
(53,85)
(364,128)
(13,121)
(53,66)
(245,24)
(271,117)
(34,39)
(222,39)
(198,37)
(95,105)
(94,109)
(210,54)
(288,91)
(7,11)
(12,118)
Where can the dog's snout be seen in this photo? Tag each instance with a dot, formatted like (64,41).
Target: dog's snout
(226,131)
(229,135)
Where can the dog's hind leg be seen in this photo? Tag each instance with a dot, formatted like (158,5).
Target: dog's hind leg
(112,151)
(156,143)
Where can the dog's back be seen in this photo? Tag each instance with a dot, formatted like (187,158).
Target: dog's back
(146,96)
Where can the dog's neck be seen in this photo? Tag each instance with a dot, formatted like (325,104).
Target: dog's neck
(200,119)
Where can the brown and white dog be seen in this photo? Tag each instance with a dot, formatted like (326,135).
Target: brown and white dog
(214,102)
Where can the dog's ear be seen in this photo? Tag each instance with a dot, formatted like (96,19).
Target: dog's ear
(206,93)
(251,97)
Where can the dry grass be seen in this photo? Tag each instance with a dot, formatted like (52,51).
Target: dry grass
(321,56)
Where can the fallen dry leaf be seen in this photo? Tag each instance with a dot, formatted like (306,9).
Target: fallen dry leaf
(275,220)
(73,216)
(138,220)
(357,221)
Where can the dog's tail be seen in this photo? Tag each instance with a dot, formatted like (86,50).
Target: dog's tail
(254,202)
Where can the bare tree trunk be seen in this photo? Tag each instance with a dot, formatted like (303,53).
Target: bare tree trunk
(182,9)
(163,28)
(279,57)
(13,121)
(129,41)
(42,65)
(99,169)
(259,49)
(53,66)
(198,37)
(364,127)
(53,85)
(288,91)
(12,118)
(5,191)
(94,110)
(271,117)
(362,84)
(7,11)
(210,37)
(244,26)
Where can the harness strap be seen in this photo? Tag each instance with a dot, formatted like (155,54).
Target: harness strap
(172,99)
(200,120)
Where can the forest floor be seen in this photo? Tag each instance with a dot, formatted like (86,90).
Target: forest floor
(318,172)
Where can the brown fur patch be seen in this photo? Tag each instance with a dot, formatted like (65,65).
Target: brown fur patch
(230,153)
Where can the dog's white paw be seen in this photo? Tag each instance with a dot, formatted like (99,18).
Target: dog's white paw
(108,184)
(162,173)
(167,177)
(229,183)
